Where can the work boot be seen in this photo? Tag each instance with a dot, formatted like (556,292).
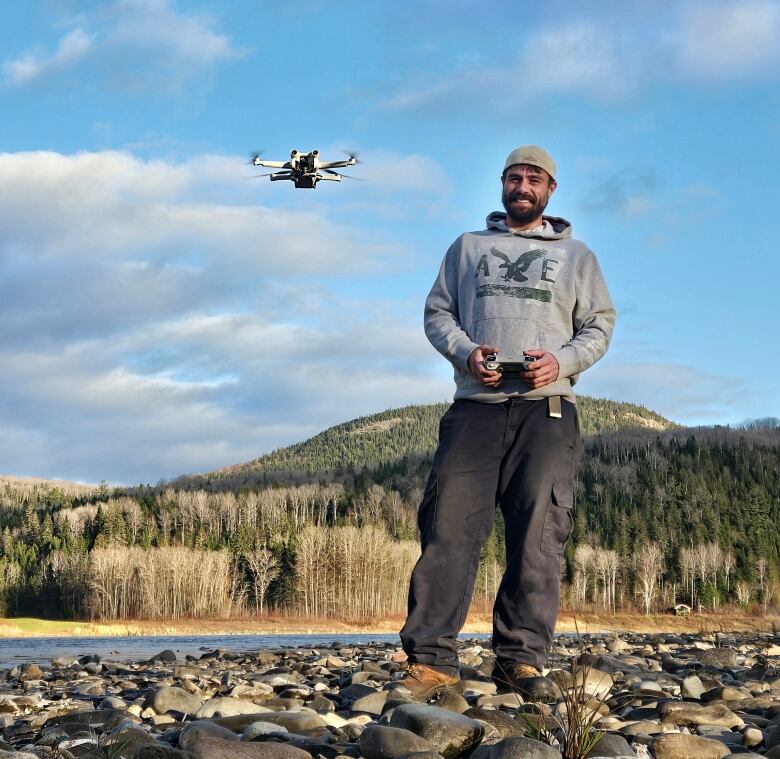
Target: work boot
(423,682)
(524,679)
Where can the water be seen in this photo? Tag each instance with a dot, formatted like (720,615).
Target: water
(14,651)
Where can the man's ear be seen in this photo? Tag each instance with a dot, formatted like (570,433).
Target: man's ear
(551,188)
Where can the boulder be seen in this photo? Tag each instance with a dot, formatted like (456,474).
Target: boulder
(682,746)
(452,734)
(384,742)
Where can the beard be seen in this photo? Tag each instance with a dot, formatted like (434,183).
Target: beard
(526,214)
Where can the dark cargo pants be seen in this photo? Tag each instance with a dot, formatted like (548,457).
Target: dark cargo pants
(510,454)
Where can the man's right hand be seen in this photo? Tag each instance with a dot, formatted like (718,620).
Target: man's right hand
(477,366)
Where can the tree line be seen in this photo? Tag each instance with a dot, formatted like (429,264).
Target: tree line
(660,517)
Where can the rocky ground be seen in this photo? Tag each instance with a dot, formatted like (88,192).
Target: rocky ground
(664,695)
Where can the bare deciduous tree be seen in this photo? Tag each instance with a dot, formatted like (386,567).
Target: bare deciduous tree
(648,564)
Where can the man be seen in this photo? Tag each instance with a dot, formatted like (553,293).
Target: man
(522,287)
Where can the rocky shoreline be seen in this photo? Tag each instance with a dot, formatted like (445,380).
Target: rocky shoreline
(666,696)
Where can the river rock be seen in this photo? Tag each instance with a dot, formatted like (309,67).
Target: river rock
(372,703)
(172,699)
(611,745)
(681,746)
(256,729)
(679,713)
(692,687)
(385,742)
(593,682)
(719,657)
(506,726)
(215,748)
(516,748)
(160,751)
(225,707)
(193,732)
(452,734)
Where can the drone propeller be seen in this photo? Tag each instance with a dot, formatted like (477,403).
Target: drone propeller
(351,154)
(254,156)
(339,174)
(258,176)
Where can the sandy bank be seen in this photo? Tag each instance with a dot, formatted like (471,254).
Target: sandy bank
(281,625)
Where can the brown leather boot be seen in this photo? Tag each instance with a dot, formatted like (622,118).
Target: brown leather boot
(524,679)
(423,682)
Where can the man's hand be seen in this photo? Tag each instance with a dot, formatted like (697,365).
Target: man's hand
(477,366)
(543,371)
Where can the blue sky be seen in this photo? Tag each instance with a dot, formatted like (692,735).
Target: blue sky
(164,313)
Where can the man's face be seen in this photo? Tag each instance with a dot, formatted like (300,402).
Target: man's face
(525,192)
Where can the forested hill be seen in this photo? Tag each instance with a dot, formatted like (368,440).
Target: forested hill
(371,442)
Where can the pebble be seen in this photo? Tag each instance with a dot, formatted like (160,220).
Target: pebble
(659,696)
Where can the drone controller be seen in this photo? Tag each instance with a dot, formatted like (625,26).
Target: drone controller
(508,364)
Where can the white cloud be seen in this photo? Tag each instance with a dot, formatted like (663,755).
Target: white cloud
(146,325)
(579,58)
(682,393)
(135,44)
(30,66)
(729,39)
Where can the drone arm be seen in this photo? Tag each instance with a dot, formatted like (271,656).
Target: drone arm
(329,177)
(335,164)
(272,164)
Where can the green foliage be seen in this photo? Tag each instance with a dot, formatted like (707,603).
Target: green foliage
(635,484)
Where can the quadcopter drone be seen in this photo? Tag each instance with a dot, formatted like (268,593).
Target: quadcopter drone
(304,169)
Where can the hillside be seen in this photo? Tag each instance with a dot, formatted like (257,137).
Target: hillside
(372,441)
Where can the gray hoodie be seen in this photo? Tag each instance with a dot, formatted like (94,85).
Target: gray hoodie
(520,290)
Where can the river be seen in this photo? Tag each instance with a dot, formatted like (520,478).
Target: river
(14,651)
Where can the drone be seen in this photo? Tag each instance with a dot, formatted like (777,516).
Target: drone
(305,169)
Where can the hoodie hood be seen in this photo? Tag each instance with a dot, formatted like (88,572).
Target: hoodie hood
(552,227)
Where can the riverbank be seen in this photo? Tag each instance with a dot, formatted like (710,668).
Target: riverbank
(659,696)
(477,624)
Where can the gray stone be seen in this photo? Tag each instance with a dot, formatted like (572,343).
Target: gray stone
(643,727)
(507,700)
(719,657)
(194,732)
(225,707)
(373,703)
(295,722)
(678,713)
(751,736)
(692,687)
(505,725)
(452,734)
(172,699)
(166,656)
(160,751)
(113,702)
(593,682)
(452,702)
(682,746)
(611,745)
(214,748)
(517,748)
(256,729)
(384,742)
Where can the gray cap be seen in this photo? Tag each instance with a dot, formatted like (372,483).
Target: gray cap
(533,155)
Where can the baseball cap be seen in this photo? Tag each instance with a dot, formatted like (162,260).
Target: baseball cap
(533,155)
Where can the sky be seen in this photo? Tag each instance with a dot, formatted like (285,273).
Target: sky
(164,311)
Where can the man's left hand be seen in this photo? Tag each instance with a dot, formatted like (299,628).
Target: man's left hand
(543,371)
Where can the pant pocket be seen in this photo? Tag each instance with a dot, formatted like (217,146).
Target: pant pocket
(558,520)
(426,514)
